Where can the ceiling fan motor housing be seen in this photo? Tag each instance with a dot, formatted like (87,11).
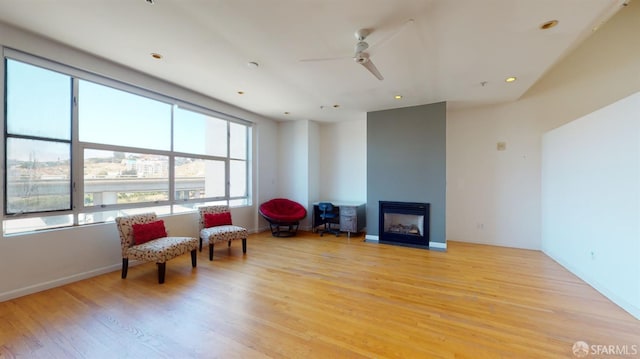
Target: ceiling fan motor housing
(362,34)
(361,58)
(361,46)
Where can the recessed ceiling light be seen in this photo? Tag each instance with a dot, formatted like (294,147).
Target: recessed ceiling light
(549,24)
(156,55)
(398,97)
(510,79)
(336,106)
(240,92)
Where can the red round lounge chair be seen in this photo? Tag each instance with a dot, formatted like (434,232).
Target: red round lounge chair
(283,216)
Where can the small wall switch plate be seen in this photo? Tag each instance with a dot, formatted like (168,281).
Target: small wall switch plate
(501,146)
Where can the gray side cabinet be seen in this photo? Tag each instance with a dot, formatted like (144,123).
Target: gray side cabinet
(353,219)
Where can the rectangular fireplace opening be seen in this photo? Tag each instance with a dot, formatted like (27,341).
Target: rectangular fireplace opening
(404,223)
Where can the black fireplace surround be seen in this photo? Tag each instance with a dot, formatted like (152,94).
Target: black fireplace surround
(404,223)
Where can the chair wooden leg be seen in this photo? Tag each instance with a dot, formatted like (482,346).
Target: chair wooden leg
(244,245)
(229,244)
(200,244)
(210,251)
(125,267)
(193,258)
(162,268)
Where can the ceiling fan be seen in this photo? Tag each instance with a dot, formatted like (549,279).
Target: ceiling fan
(361,56)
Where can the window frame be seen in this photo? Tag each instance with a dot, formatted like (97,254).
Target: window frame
(77,194)
(7,136)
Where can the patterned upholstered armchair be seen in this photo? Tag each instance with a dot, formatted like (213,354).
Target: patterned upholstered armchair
(144,238)
(216,227)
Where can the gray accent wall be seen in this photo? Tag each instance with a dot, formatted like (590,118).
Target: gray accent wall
(406,162)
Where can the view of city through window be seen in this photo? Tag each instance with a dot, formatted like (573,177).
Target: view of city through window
(132,152)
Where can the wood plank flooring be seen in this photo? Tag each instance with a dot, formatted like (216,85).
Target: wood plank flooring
(322,297)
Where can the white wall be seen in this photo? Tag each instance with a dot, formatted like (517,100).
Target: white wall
(293,162)
(343,161)
(299,162)
(265,168)
(314,166)
(37,261)
(494,197)
(591,199)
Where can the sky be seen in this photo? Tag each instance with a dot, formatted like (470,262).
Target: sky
(106,115)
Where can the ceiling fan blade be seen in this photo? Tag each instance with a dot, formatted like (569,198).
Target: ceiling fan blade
(373,69)
(326,59)
(392,35)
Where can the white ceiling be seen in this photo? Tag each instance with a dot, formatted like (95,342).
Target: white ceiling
(446,54)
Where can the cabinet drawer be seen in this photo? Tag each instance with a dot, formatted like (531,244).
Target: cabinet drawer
(348,224)
(347,211)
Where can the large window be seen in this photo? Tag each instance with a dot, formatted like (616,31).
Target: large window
(37,140)
(82,149)
(115,117)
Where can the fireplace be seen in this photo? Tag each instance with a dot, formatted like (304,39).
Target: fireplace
(404,223)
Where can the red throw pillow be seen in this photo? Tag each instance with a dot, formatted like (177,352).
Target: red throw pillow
(217,219)
(145,232)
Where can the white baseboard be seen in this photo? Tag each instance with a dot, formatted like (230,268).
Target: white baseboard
(621,302)
(434,245)
(59,282)
(260,230)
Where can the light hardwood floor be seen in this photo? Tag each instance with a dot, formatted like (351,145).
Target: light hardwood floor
(313,297)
